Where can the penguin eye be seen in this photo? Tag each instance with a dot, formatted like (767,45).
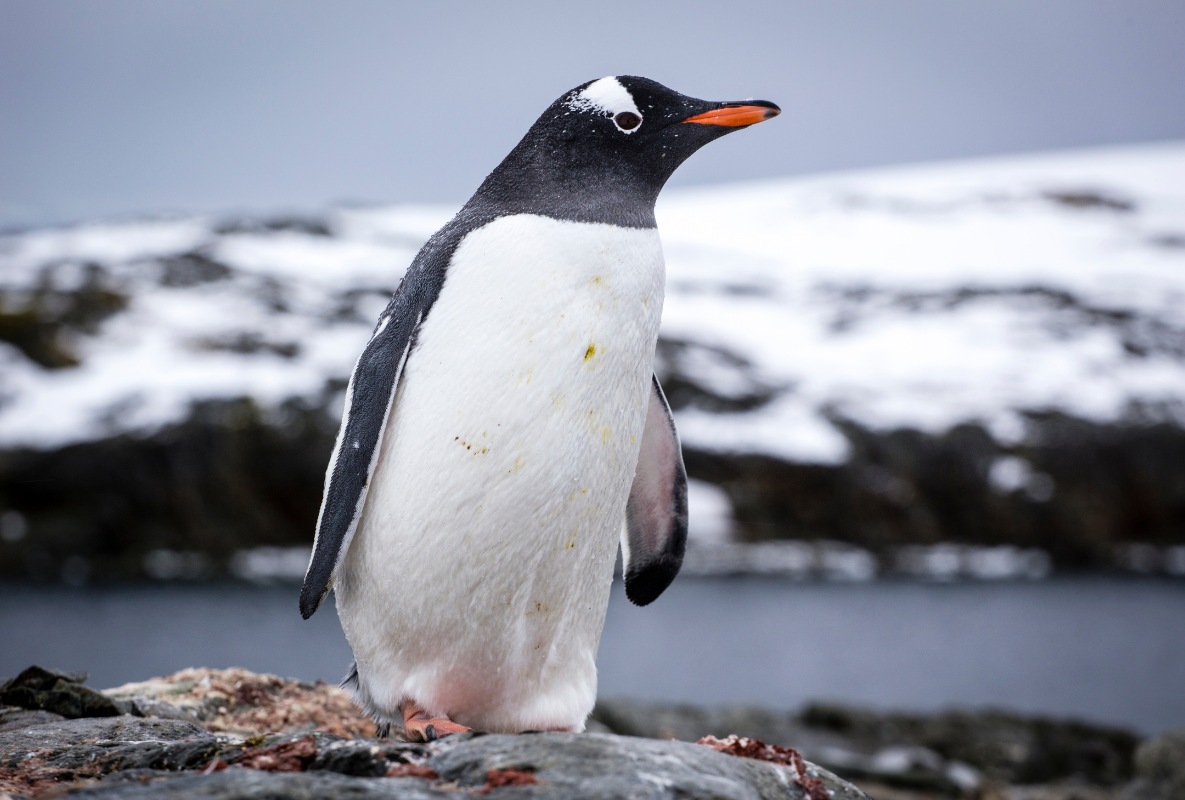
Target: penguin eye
(627,120)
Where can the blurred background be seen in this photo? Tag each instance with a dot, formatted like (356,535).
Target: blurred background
(924,333)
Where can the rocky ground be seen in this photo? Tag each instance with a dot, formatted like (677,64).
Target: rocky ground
(231,733)
(223,734)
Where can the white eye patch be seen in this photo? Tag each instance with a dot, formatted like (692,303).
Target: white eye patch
(609,97)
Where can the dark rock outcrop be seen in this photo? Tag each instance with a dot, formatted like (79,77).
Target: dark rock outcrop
(229,477)
(233,476)
(59,693)
(1116,485)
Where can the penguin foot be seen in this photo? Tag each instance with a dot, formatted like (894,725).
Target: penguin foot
(419,727)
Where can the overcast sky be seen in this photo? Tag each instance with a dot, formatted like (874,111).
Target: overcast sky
(127,107)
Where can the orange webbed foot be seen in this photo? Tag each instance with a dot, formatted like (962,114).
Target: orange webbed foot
(419,727)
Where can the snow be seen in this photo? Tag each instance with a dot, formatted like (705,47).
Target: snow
(174,345)
(929,296)
(946,561)
(920,297)
(1010,474)
(709,513)
(268,564)
(106,242)
(170,565)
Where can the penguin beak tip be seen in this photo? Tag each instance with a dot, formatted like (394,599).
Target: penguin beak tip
(737,115)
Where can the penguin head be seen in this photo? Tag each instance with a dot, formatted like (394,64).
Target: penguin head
(608,146)
(642,121)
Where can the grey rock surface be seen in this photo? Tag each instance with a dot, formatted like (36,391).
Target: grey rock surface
(13,718)
(689,723)
(203,733)
(607,766)
(949,753)
(82,747)
(133,758)
(249,784)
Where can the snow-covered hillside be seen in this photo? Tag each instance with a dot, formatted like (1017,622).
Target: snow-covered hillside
(801,315)
(916,297)
(923,297)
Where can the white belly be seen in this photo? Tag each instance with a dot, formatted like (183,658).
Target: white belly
(477,582)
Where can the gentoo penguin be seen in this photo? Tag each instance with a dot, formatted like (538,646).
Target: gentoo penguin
(503,429)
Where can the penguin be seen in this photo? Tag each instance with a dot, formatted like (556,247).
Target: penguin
(503,429)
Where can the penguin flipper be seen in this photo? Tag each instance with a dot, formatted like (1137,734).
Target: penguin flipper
(369,396)
(655,532)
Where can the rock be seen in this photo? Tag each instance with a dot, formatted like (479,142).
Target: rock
(1086,489)
(252,785)
(231,476)
(244,703)
(232,733)
(228,748)
(951,753)
(608,766)
(42,323)
(13,718)
(159,758)
(690,723)
(227,477)
(851,757)
(1006,747)
(39,756)
(56,692)
(1160,769)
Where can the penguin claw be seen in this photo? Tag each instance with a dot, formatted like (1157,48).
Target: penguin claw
(419,727)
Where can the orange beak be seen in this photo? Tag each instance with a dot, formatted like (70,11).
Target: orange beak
(737,116)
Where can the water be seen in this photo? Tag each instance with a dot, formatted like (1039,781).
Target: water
(1103,650)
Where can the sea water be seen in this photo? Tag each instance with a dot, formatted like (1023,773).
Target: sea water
(1103,650)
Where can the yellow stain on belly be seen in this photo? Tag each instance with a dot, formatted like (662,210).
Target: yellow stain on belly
(590,352)
(606,434)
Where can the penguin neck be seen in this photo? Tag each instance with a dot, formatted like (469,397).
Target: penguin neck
(539,180)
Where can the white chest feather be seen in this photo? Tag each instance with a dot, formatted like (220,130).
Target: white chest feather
(479,575)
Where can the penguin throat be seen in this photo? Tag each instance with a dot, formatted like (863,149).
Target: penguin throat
(566,192)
